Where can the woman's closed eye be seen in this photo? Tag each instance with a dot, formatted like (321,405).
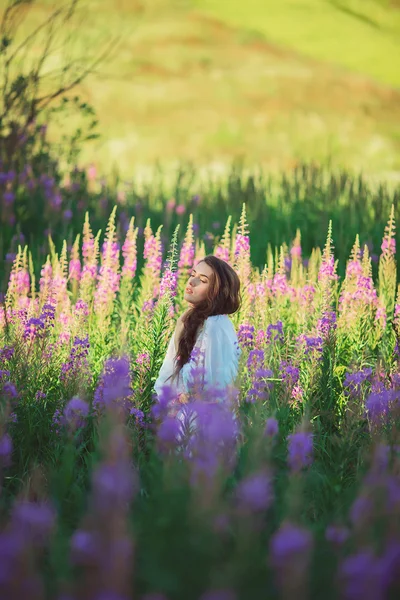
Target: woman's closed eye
(193,275)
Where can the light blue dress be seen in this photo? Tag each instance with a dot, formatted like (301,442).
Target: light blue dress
(216,353)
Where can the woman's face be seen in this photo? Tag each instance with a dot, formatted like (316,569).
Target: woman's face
(199,282)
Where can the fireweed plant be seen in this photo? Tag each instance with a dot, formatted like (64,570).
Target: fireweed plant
(287,486)
(44,198)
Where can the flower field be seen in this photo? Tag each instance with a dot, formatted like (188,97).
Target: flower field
(288,488)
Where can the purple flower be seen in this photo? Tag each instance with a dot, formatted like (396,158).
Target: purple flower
(313,343)
(290,374)
(326,323)
(255,492)
(114,385)
(58,421)
(271,427)
(4,374)
(255,359)
(354,381)
(35,520)
(212,434)
(9,390)
(77,366)
(246,335)
(377,406)
(261,388)
(300,450)
(168,434)
(361,510)
(10,257)
(113,485)
(75,413)
(164,400)
(361,577)
(278,327)
(336,534)
(48,314)
(8,198)
(390,563)
(84,546)
(6,447)
(138,416)
(34,328)
(288,542)
(381,457)
(148,306)
(12,545)
(13,418)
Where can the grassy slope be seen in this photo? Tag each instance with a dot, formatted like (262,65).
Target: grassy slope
(186,85)
(362,35)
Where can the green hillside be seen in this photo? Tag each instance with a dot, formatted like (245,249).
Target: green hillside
(362,35)
(211,81)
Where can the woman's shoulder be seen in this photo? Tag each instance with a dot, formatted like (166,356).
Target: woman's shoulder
(220,329)
(218,319)
(220,323)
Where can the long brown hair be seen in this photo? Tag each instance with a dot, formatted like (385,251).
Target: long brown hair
(223,298)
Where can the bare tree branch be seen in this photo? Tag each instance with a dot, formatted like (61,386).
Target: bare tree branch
(45,100)
(33,34)
(27,88)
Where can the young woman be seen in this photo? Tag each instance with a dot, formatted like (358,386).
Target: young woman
(204,337)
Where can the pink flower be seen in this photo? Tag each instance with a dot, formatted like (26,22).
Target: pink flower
(180,209)
(222,253)
(170,204)
(295,251)
(91,172)
(389,246)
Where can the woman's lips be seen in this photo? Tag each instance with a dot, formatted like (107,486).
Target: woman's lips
(189,291)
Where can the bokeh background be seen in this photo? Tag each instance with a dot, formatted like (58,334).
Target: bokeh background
(269,82)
